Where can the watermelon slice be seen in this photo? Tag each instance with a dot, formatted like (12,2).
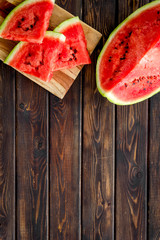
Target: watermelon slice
(75,48)
(37,59)
(28,21)
(127,69)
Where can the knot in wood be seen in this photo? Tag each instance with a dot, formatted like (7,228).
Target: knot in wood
(39,147)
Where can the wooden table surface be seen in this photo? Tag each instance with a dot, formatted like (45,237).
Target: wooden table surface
(81,167)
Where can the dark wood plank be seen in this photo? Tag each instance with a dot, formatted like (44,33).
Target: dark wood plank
(7,153)
(154,170)
(131,172)
(98,136)
(65,156)
(5,7)
(32,160)
(131,160)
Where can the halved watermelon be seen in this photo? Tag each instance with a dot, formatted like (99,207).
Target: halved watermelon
(28,21)
(37,59)
(127,68)
(75,48)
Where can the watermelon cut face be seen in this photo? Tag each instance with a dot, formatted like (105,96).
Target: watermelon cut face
(75,48)
(127,69)
(28,21)
(37,59)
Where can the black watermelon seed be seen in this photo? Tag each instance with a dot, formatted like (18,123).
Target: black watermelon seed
(109,60)
(125,84)
(122,58)
(70,59)
(144,89)
(75,50)
(75,58)
(115,48)
(71,48)
(157,12)
(31,26)
(22,19)
(130,33)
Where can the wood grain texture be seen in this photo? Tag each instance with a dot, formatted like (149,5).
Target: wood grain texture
(5,7)
(131,172)
(154,169)
(65,157)
(32,160)
(7,153)
(98,137)
(131,160)
(62,79)
(68,183)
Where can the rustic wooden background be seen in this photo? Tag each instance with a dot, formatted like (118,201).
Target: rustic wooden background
(81,167)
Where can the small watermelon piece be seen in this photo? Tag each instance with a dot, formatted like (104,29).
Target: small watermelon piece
(129,58)
(75,48)
(37,59)
(28,21)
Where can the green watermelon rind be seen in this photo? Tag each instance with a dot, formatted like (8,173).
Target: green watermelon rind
(18,8)
(17,48)
(108,94)
(113,99)
(66,23)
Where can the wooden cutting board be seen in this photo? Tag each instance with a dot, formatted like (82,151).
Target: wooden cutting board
(62,79)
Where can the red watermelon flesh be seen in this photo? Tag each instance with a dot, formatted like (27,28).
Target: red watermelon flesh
(142,80)
(28,22)
(127,46)
(128,69)
(37,59)
(75,48)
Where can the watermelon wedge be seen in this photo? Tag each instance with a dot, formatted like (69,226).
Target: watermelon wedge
(28,21)
(128,68)
(37,59)
(75,48)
